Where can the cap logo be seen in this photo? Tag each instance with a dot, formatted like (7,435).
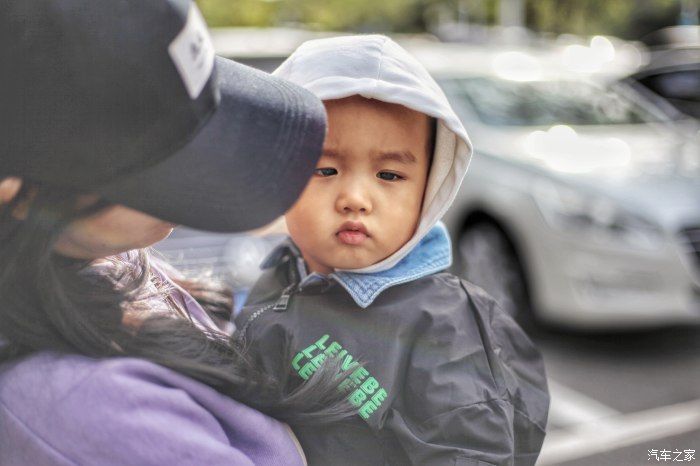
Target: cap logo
(193,53)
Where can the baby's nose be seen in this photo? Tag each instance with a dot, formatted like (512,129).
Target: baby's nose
(354,199)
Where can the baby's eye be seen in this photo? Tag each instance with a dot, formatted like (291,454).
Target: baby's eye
(325,172)
(388,176)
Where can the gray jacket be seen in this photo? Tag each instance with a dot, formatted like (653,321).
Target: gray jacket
(446,377)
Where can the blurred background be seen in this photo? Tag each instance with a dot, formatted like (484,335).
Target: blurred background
(580,213)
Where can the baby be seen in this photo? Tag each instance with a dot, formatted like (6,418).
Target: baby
(446,378)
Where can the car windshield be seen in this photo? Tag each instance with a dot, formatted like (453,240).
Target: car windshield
(498,102)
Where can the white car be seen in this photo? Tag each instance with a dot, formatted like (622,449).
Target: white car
(581,207)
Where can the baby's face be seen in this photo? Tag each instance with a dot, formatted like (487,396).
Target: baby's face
(364,200)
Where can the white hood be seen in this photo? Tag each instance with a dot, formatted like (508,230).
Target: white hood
(376,67)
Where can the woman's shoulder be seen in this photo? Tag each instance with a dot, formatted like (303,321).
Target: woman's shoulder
(49,375)
(123,411)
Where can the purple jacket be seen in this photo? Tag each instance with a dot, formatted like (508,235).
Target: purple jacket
(74,410)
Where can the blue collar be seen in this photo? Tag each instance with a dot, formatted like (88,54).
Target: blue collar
(432,254)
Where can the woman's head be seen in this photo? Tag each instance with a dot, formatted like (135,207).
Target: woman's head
(123,120)
(117,121)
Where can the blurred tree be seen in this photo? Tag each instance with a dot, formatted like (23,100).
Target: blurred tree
(385,15)
(625,18)
(220,13)
(362,15)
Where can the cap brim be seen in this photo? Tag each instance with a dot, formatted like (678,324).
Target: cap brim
(244,167)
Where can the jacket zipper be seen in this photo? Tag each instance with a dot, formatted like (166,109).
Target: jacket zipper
(278,306)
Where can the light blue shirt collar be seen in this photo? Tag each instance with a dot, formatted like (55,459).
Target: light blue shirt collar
(432,254)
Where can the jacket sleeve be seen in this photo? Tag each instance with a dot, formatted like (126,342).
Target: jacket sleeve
(461,400)
(119,417)
(522,373)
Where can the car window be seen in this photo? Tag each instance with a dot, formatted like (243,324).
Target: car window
(683,84)
(499,102)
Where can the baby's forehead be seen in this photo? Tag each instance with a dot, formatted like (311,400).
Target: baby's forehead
(375,128)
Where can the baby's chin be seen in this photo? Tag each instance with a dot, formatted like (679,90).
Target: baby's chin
(354,263)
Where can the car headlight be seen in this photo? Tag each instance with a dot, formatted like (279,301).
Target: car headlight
(599,219)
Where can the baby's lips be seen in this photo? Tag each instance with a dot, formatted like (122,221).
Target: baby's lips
(353,226)
(351,237)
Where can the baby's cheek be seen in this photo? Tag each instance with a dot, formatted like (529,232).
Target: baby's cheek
(409,212)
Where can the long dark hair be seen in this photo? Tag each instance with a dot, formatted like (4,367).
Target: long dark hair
(48,302)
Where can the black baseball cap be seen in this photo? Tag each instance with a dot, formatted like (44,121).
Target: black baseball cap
(127,99)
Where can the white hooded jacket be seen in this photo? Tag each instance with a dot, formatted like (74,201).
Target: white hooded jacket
(376,67)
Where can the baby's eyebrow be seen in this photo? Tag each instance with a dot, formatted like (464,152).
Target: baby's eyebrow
(332,153)
(405,156)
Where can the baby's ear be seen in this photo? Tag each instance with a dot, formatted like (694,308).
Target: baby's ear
(9,187)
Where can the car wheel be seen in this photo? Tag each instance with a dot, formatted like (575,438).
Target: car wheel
(488,260)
